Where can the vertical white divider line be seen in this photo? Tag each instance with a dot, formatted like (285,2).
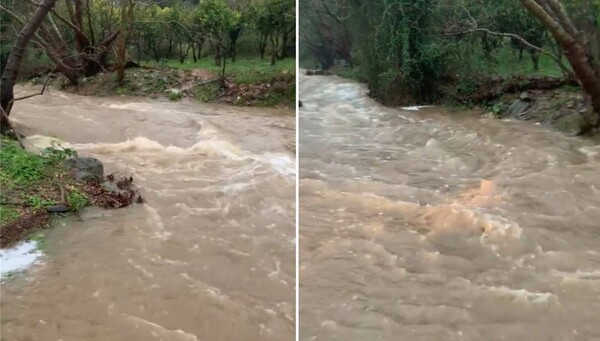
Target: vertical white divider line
(297,171)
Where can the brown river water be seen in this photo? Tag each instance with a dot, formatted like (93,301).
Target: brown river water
(209,256)
(433,225)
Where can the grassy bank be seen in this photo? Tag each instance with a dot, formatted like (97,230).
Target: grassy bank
(31,184)
(243,71)
(250,82)
(57,180)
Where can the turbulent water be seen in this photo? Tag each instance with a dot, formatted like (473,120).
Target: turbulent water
(433,225)
(210,256)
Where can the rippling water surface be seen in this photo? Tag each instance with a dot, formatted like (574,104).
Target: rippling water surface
(210,256)
(434,225)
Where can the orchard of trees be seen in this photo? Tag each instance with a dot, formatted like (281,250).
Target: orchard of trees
(413,50)
(81,38)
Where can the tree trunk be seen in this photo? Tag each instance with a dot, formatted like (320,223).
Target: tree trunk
(274,47)
(121,46)
(574,45)
(217,49)
(521,53)
(234,35)
(233,52)
(13,64)
(155,52)
(535,59)
(200,45)
(181,55)
(194,57)
(262,44)
(170,49)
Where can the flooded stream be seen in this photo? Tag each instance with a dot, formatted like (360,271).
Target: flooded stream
(433,225)
(209,256)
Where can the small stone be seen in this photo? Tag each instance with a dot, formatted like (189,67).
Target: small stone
(524,96)
(517,108)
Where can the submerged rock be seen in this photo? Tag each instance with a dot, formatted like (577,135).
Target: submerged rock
(571,124)
(518,109)
(86,168)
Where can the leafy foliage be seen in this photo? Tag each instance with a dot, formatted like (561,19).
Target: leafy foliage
(77,200)
(415,51)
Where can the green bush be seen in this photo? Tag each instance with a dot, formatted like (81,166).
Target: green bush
(77,200)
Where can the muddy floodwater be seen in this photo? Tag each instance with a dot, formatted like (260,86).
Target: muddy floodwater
(437,225)
(209,256)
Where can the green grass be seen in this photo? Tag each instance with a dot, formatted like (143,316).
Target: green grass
(506,64)
(243,71)
(19,167)
(29,181)
(8,214)
(77,200)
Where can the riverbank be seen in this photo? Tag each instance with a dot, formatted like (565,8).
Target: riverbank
(54,181)
(561,109)
(251,82)
(551,102)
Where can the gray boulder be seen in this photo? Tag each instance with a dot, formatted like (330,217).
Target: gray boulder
(573,124)
(86,168)
(518,109)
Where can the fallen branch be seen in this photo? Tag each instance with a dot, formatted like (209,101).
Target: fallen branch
(10,104)
(33,95)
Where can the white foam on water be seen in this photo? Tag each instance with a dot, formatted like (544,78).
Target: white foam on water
(19,257)
(161,331)
(281,163)
(523,295)
(37,143)
(416,107)
(579,275)
(143,144)
(132,106)
(592,152)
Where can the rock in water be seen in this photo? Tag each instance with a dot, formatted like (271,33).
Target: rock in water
(517,109)
(86,168)
(571,124)
(524,96)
